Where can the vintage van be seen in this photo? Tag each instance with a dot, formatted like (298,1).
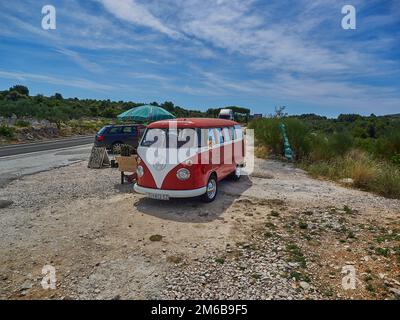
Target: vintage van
(184,158)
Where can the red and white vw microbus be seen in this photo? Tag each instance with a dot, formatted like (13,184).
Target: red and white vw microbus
(184,158)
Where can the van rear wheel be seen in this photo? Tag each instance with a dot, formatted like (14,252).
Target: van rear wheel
(211,189)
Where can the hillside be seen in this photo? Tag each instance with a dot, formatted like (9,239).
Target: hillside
(24,117)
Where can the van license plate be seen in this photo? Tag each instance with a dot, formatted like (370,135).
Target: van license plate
(158,196)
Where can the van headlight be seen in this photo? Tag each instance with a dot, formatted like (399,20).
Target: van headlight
(140,171)
(183,174)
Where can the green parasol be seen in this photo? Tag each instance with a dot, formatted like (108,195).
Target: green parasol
(146,113)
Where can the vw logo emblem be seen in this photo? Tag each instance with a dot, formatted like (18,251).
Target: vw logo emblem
(159,165)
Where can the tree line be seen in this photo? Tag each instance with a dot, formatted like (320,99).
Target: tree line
(16,101)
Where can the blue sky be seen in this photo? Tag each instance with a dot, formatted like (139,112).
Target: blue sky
(209,53)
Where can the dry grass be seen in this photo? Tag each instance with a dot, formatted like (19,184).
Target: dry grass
(367,173)
(261,152)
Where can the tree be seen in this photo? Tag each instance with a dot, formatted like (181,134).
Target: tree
(372,130)
(168,105)
(58,96)
(57,116)
(23,90)
(280,112)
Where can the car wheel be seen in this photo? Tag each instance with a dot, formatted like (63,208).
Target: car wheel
(211,189)
(237,173)
(116,148)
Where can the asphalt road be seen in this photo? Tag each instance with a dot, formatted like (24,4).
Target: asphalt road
(45,145)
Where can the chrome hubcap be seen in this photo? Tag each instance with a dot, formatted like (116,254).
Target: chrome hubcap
(211,188)
(117,148)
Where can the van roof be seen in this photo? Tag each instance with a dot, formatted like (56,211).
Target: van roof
(192,123)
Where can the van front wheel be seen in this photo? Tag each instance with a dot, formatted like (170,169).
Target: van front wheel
(211,189)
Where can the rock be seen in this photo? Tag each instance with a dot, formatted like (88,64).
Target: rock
(395,291)
(348,181)
(26,286)
(304,285)
(5,203)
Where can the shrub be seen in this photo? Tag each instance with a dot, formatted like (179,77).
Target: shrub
(268,134)
(367,173)
(127,150)
(22,123)
(387,183)
(359,166)
(299,137)
(6,131)
(325,147)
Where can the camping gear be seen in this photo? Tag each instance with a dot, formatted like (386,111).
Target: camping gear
(146,113)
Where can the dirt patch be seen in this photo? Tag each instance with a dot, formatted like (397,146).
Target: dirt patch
(287,237)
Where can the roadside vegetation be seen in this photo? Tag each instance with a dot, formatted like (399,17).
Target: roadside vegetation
(357,150)
(75,116)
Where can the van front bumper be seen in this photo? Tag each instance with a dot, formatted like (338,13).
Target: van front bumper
(171,193)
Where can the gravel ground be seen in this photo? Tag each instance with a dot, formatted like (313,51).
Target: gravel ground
(277,234)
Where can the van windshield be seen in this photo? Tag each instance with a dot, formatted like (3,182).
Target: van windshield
(171,138)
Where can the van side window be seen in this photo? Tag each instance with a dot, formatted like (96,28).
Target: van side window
(211,137)
(238,132)
(220,138)
(232,132)
(227,135)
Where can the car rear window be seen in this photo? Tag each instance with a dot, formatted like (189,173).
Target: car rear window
(102,130)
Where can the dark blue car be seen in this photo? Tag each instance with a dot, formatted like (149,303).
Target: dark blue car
(113,136)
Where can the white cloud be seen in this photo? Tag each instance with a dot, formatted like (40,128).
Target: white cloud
(72,82)
(80,60)
(134,12)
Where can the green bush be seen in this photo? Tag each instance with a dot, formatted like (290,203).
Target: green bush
(6,131)
(387,182)
(22,124)
(299,137)
(267,133)
(127,150)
